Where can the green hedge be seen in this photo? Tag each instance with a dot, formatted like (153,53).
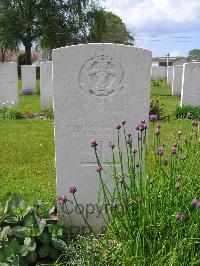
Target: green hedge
(181,112)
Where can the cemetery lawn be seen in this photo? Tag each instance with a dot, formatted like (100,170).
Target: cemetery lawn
(28,103)
(27,147)
(163,93)
(27,158)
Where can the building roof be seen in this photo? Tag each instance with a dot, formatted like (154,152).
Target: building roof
(171,59)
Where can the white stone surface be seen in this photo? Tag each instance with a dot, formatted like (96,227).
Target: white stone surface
(8,84)
(190,94)
(177,80)
(28,77)
(96,86)
(158,72)
(169,75)
(46,85)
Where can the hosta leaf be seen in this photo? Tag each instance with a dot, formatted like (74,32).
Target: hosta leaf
(30,243)
(21,232)
(16,247)
(58,244)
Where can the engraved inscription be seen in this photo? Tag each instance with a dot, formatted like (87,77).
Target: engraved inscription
(101,76)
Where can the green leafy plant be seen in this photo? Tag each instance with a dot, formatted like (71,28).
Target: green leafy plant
(48,112)
(29,233)
(10,113)
(152,213)
(156,107)
(156,83)
(182,112)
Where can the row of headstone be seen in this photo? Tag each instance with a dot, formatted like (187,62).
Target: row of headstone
(190,93)
(158,72)
(46,89)
(46,84)
(9,83)
(185,81)
(28,74)
(96,86)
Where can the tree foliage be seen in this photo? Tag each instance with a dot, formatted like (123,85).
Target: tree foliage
(107,27)
(52,23)
(56,23)
(194,54)
(7,40)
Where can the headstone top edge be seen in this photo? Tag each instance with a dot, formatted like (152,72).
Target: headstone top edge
(8,63)
(103,45)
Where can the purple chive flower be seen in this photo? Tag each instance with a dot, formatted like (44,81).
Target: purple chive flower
(160,151)
(157,132)
(137,164)
(123,123)
(129,141)
(173,150)
(137,127)
(118,127)
(98,169)
(62,198)
(134,150)
(121,180)
(111,144)
(153,118)
(198,204)
(194,202)
(142,121)
(129,135)
(145,126)
(141,127)
(180,217)
(93,143)
(178,186)
(72,189)
(27,91)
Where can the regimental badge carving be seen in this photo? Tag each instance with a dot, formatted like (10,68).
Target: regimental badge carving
(101,76)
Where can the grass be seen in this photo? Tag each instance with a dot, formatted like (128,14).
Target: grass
(27,148)
(27,158)
(163,92)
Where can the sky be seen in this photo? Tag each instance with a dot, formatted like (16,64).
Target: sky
(162,26)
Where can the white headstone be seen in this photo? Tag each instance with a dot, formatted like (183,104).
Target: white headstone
(190,94)
(28,77)
(8,84)
(46,86)
(169,75)
(95,87)
(158,72)
(177,80)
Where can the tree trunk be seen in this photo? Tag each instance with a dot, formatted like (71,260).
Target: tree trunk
(28,54)
(3,52)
